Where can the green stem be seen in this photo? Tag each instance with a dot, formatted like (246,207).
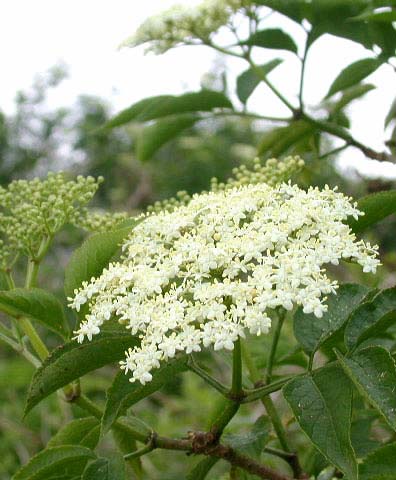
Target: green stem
(227,414)
(236,387)
(19,349)
(30,281)
(9,279)
(16,333)
(222,50)
(34,262)
(302,74)
(255,377)
(310,362)
(254,372)
(254,116)
(31,273)
(258,71)
(276,422)
(236,394)
(274,345)
(86,404)
(206,377)
(34,338)
(340,132)
(333,152)
(258,393)
(149,447)
(278,453)
(5,331)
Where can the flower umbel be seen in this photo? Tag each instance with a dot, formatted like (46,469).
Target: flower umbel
(206,272)
(34,210)
(183,24)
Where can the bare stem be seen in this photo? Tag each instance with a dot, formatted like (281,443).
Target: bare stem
(272,413)
(260,392)
(30,281)
(334,151)
(200,443)
(274,345)
(236,388)
(19,348)
(260,74)
(34,338)
(254,116)
(302,73)
(192,365)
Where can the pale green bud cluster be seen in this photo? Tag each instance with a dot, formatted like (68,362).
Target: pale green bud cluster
(170,204)
(272,173)
(181,24)
(32,211)
(100,221)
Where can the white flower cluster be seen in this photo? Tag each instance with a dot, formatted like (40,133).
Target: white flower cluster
(180,23)
(204,273)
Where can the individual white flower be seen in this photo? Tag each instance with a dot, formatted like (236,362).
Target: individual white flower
(204,273)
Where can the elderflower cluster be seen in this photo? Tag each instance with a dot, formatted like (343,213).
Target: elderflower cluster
(33,210)
(181,24)
(205,273)
(273,172)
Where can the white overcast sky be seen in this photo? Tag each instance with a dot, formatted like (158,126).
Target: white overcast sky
(84,34)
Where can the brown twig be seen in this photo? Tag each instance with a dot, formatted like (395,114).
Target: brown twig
(204,443)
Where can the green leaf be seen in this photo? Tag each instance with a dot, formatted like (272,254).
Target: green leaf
(376,207)
(322,404)
(112,468)
(297,10)
(391,115)
(278,141)
(202,468)
(252,442)
(312,332)
(371,318)
(384,36)
(249,79)
(39,305)
(4,283)
(361,434)
(373,372)
(354,73)
(351,94)
(123,394)
(51,461)
(126,444)
(81,431)
(153,137)
(340,118)
(73,360)
(370,15)
(379,465)
(271,138)
(93,256)
(272,38)
(163,105)
(332,17)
